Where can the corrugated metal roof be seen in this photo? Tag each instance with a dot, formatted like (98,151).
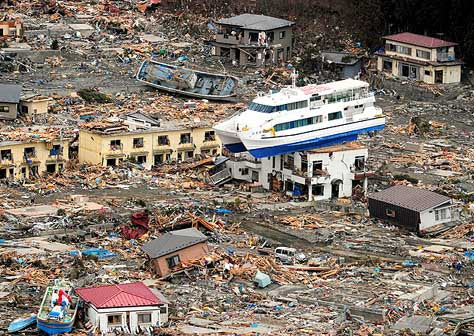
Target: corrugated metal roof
(173,241)
(410,198)
(10,93)
(419,40)
(256,22)
(123,295)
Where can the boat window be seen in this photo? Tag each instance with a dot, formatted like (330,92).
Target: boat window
(298,123)
(297,105)
(334,115)
(315,98)
(262,108)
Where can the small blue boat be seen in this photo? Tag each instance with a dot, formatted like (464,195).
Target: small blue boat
(58,309)
(21,323)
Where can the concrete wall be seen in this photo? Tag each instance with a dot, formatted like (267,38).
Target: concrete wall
(95,148)
(35,107)
(41,160)
(193,252)
(12,111)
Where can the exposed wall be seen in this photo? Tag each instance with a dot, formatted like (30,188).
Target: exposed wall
(35,107)
(192,252)
(403,217)
(96,149)
(12,111)
(23,169)
(428,217)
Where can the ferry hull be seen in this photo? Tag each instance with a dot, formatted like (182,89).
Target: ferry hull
(316,142)
(54,327)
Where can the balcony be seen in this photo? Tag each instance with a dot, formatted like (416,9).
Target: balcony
(29,158)
(226,38)
(116,149)
(6,162)
(445,57)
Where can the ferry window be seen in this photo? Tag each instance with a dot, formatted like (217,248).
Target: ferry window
(297,105)
(282,108)
(317,119)
(334,115)
(262,108)
(315,98)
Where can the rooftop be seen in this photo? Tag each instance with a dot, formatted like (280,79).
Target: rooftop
(338,148)
(410,198)
(419,40)
(173,241)
(123,295)
(10,93)
(339,57)
(256,22)
(289,95)
(16,136)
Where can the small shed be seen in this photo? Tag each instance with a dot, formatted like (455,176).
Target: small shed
(413,208)
(262,280)
(348,65)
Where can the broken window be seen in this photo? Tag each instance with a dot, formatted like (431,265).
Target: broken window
(289,185)
(317,168)
(158,159)
(180,156)
(189,154)
(30,152)
(51,168)
(185,138)
(390,47)
(289,162)
(111,162)
(318,190)
(404,50)
(144,318)
(4,109)
(34,171)
(282,35)
(173,261)
(387,65)
(6,154)
(138,142)
(390,213)
(163,309)
(168,157)
(141,159)
(427,73)
(115,145)
(253,37)
(244,171)
(255,176)
(114,319)
(359,163)
(3,174)
(209,136)
(56,150)
(163,140)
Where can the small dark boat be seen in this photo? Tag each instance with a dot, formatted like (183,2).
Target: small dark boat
(187,82)
(22,323)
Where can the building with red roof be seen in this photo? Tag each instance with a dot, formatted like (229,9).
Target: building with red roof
(130,307)
(419,57)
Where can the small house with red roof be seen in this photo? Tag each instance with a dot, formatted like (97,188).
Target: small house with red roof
(130,308)
(419,57)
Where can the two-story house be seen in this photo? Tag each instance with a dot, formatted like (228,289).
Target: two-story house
(420,58)
(250,39)
(318,174)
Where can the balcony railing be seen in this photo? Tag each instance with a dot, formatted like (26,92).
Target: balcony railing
(227,38)
(6,161)
(116,148)
(445,57)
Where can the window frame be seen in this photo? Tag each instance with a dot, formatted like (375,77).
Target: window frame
(338,115)
(173,261)
(141,315)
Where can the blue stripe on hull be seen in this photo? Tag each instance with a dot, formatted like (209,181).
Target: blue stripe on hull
(52,328)
(311,144)
(236,147)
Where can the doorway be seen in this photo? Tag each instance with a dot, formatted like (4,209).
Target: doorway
(335,188)
(438,76)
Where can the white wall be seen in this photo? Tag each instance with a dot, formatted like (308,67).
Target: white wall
(99,317)
(428,217)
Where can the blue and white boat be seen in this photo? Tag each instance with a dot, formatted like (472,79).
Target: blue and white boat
(21,323)
(302,118)
(58,309)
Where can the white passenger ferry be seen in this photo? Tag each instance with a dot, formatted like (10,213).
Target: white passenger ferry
(302,118)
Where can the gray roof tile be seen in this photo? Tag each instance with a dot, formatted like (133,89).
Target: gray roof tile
(410,198)
(256,22)
(10,93)
(173,241)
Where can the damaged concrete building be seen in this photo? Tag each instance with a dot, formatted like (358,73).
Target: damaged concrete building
(250,39)
(145,141)
(318,174)
(420,58)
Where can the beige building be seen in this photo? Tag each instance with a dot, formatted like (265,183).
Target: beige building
(21,160)
(145,141)
(11,29)
(34,104)
(420,58)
